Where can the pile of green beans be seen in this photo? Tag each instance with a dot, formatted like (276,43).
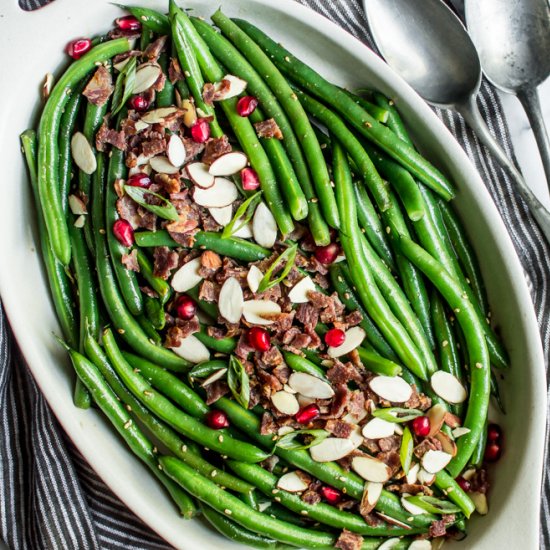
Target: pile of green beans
(346,169)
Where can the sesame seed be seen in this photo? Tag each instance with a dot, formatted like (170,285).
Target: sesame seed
(155,450)
(275,491)
(137,371)
(148,393)
(304,512)
(214,473)
(479,366)
(323,145)
(390,102)
(340,279)
(457,310)
(294,97)
(368,124)
(128,408)
(184,448)
(388,230)
(102,231)
(228,511)
(347,295)
(450,489)
(445,343)
(277,499)
(344,490)
(220,439)
(314,200)
(342,478)
(121,331)
(187,74)
(128,424)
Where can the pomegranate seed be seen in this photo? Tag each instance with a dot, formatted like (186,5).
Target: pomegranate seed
(216,419)
(327,254)
(335,337)
(200,131)
(128,23)
(421,426)
(494,432)
(249,179)
(139,180)
(139,103)
(77,48)
(464,484)
(259,339)
(185,307)
(307,414)
(331,495)
(123,232)
(246,105)
(493,452)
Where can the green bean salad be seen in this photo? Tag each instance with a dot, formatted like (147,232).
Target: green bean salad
(255,271)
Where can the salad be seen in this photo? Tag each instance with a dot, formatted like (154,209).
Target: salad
(264,287)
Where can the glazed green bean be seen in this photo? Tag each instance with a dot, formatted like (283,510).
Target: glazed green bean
(378,364)
(301,364)
(452,490)
(150,19)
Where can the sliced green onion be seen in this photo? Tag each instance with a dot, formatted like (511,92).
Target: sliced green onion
(288,441)
(238,382)
(406,451)
(288,256)
(433,505)
(397,414)
(124,81)
(243,215)
(167,212)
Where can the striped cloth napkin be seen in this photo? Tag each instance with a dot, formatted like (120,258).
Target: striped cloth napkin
(50,497)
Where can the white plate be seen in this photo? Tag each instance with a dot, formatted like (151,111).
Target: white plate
(32,49)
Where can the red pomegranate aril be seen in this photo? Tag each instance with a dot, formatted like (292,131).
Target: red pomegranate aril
(308,414)
(128,23)
(492,452)
(335,337)
(246,105)
(139,180)
(139,103)
(331,495)
(216,420)
(421,426)
(200,131)
(123,232)
(77,48)
(464,484)
(259,339)
(327,254)
(249,179)
(494,432)
(186,308)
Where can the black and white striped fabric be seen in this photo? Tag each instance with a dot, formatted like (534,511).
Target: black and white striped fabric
(51,499)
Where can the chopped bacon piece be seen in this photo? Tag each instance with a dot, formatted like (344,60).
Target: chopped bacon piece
(165,260)
(268,425)
(268,129)
(130,262)
(342,373)
(174,71)
(105,135)
(391,443)
(100,87)
(308,315)
(153,147)
(182,330)
(209,291)
(215,148)
(272,357)
(349,541)
(353,318)
(154,49)
(215,390)
(215,92)
(339,428)
(428,444)
(243,349)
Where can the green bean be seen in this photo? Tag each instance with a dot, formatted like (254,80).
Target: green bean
(495,392)
(58,281)
(159,285)
(378,364)
(118,416)
(234,247)
(380,113)
(149,329)
(301,364)
(202,370)
(394,121)
(150,19)
(452,490)
(165,98)
(48,152)
(478,456)
(480,374)
(238,65)
(356,115)
(220,345)
(295,112)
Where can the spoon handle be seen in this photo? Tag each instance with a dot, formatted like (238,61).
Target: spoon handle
(471,114)
(530,100)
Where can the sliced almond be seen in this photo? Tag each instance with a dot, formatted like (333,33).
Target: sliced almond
(420,544)
(435,461)
(480,502)
(162,165)
(80,221)
(310,386)
(299,292)
(285,403)
(187,276)
(425,478)
(231,300)
(410,507)
(377,428)
(254,278)
(77,206)
(287,388)
(222,193)
(228,164)
(284,430)
(244,232)
(303,400)
(146,76)
(256,312)
(222,216)
(140,125)
(391,521)
(292,483)
(447,444)
(469,474)
(83,154)
(143,160)
(158,115)
(214,377)
(371,494)
(190,115)
(143,169)
(47,86)
(264,226)
(354,338)
(397,429)
(391,388)
(371,469)
(175,151)
(199,175)
(436,416)
(356,437)
(192,349)
(412,476)
(236,86)
(459,432)
(331,448)
(355,417)
(389,544)
(448,387)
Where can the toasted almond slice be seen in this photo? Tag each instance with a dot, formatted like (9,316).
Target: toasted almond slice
(448,387)
(146,76)
(412,476)
(231,300)
(199,175)
(287,388)
(292,483)
(356,437)
(264,226)
(162,165)
(371,469)
(175,151)
(223,215)
(391,388)
(192,349)
(410,507)
(80,221)
(420,545)
(256,311)
(391,521)
(460,431)
(158,115)
(447,444)
(469,474)
(121,64)
(354,338)
(215,376)
(83,154)
(371,494)
(190,116)
(355,418)
(331,448)
(140,125)
(187,276)
(303,400)
(436,416)
(236,86)
(285,403)
(435,461)
(310,386)
(298,293)
(47,86)
(228,164)
(425,478)
(254,278)
(143,160)
(244,232)
(377,428)
(397,429)
(143,169)
(222,193)
(389,544)
(77,206)
(284,430)
(480,502)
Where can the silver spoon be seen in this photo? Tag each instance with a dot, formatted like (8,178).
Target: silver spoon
(428,46)
(513,41)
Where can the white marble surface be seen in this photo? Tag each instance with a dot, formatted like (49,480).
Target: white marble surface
(524,142)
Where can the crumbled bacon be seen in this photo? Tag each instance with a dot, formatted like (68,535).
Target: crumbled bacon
(356,405)
(353,318)
(215,92)
(268,425)
(215,390)
(130,262)
(340,400)
(391,443)
(428,444)
(153,147)
(269,384)
(272,357)
(311,497)
(438,529)
(480,482)
(418,401)
(105,136)
(209,291)
(268,129)
(165,260)
(192,148)
(154,49)
(391,459)
(243,349)
(187,240)
(339,428)
(282,373)
(180,331)
(215,148)
(308,315)
(100,87)
(174,71)
(342,373)
(349,541)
